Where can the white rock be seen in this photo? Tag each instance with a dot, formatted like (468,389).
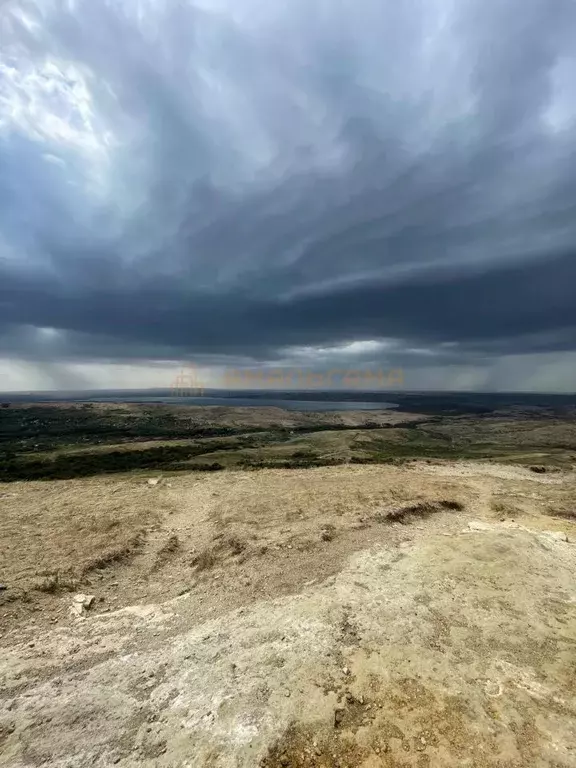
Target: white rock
(80,604)
(556,535)
(478,525)
(153,481)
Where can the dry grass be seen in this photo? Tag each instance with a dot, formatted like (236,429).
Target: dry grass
(421,510)
(295,507)
(204,560)
(455,506)
(57,582)
(54,534)
(225,546)
(353,658)
(328,532)
(564,514)
(69,580)
(84,534)
(504,509)
(166,552)
(130,445)
(171,546)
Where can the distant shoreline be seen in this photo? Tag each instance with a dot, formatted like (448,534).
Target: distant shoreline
(264,400)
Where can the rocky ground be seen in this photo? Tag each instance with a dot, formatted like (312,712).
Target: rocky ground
(346,616)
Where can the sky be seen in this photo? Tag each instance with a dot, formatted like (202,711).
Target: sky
(290,184)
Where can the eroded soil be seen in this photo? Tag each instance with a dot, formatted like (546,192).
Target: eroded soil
(346,616)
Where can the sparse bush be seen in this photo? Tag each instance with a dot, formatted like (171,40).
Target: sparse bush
(304,454)
(57,582)
(328,532)
(364,460)
(565,514)
(204,560)
(503,509)
(424,509)
(233,543)
(225,545)
(420,510)
(170,547)
(450,504)
(116,554)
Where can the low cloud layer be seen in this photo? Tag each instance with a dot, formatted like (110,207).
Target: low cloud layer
(364,183)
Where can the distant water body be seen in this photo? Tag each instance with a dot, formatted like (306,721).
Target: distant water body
(290,401)
(260,402)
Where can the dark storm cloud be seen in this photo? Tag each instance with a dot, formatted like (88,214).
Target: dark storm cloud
(234,181)
(430,308)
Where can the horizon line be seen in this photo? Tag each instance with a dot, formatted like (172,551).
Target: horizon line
(62,392)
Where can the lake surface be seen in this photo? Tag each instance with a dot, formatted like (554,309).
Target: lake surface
(289,400)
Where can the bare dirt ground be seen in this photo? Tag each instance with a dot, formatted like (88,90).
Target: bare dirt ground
(344,616)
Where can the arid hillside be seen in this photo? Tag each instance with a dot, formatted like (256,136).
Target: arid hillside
(418,615)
